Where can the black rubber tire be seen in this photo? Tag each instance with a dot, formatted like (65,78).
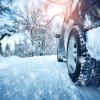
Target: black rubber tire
(58,58)
(74,76)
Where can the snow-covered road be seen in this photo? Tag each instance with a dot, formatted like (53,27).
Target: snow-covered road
(39,78)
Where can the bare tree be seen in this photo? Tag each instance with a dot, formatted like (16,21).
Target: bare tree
(33,21)
(38,25)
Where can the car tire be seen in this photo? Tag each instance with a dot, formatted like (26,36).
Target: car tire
(58,57)
(73,64)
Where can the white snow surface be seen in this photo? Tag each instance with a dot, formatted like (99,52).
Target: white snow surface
(39,78)
(93,42)
(87,21)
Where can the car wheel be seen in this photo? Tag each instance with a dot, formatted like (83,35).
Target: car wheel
(59,59)
(73,54)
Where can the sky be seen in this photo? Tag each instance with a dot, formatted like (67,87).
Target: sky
(20,3)
(53,9)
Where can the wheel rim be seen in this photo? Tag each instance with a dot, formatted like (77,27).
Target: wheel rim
(72,55)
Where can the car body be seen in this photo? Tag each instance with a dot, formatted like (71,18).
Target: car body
(81,25)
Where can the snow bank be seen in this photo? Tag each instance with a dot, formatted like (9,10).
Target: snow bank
(87,21)
(93,43)
(12,40)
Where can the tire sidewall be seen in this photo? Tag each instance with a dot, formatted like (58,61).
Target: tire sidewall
(74,76)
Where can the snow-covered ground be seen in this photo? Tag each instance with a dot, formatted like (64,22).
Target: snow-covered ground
(39,78)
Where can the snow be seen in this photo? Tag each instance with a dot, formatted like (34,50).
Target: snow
(12,40)
(93,42)
(87,21)
(5,20)
(4,43)
(39,78)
